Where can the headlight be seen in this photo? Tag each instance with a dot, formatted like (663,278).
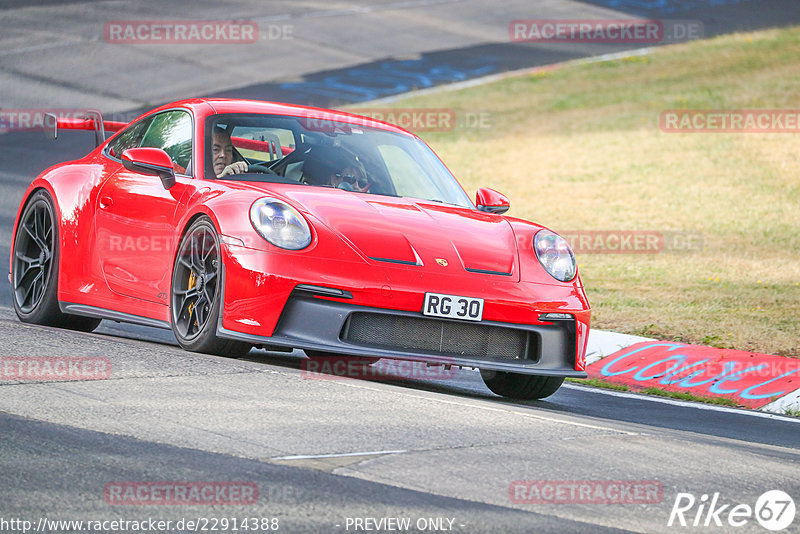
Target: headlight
(280,224)
(555,255)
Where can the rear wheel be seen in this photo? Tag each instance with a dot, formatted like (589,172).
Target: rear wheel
(522,387)
(34,271)
(197,293)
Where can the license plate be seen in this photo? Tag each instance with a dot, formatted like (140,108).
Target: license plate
(453,307)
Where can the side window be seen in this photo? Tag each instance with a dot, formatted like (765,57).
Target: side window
(130,138)
(171,131)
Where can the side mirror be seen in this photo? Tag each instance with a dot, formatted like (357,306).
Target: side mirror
(151,161)
(491,201)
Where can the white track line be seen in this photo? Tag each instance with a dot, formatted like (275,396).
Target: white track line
(342,455)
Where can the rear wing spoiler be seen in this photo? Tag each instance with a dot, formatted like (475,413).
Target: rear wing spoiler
(92,120)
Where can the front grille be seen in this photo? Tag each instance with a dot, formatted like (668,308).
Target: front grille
(439,337)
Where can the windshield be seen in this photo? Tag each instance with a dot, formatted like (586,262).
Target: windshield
(324,153)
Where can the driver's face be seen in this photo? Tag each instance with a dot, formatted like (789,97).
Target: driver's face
(221,152)
(351,175)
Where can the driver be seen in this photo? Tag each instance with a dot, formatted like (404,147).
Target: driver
(352,175)
(331,167)
(222,155)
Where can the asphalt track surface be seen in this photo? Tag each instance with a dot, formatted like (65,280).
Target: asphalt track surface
(322,451)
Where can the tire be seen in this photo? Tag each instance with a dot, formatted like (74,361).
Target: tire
(34,271)
(195,295)
(521,387)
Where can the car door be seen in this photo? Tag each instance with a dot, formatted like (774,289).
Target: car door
(136,216)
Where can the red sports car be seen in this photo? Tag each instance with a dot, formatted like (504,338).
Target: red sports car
(243,223)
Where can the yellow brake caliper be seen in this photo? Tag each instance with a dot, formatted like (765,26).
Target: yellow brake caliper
(192,283)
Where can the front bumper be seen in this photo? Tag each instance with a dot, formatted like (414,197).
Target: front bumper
(281,312)
(312,323)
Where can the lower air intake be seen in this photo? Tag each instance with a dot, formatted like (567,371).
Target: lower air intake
(438,337)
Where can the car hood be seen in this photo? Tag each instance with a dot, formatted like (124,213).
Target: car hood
(437,237)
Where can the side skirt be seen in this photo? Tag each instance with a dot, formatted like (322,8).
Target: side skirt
(120,317)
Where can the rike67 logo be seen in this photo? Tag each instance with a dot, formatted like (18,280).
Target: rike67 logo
(774,510)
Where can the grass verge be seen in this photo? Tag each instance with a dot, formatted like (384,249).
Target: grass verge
(595,382)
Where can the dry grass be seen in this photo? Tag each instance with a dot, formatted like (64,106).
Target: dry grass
(580,148)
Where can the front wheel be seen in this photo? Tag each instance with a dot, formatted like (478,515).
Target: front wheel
(519,386)
(197,293)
